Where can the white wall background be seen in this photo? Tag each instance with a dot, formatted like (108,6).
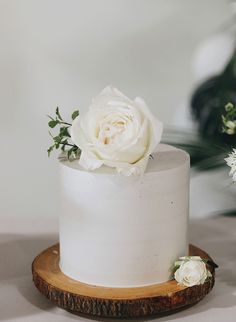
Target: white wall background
(63,52)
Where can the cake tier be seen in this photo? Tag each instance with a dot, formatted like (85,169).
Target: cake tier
(122,231)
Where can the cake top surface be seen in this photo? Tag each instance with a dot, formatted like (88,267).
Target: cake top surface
(165,158)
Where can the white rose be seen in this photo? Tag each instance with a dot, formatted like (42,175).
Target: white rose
(192,271)
(231,162)
(116,132)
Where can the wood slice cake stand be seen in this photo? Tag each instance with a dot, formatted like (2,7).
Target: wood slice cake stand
(114,302)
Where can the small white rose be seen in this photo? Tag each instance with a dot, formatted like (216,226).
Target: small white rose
(230,131)
(192,271)
(116,132)
(231,162)
(231,125)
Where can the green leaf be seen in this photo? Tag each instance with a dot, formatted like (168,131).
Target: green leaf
(69,152)
(75,114)
(50,117)
(229,213)
(64,131)
(73,153)
(57,139)
(211,263)
(58,114)
(52,123)
(50,134)
(50,149)
(64,143)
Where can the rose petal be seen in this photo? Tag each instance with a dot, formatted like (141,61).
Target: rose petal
(156,125)
(88,162)
(128,169)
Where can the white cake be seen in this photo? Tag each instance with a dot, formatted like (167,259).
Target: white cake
(118,231)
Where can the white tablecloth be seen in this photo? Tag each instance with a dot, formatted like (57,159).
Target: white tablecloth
(22,239)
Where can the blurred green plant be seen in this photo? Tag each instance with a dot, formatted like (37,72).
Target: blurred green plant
(206,154)
(210,144)
(208,104)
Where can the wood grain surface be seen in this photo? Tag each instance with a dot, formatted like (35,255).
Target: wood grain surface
(78,297)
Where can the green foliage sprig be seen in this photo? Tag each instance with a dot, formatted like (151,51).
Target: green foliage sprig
(229,119)
(62,139)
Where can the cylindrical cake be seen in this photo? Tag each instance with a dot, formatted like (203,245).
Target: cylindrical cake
(118,231)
